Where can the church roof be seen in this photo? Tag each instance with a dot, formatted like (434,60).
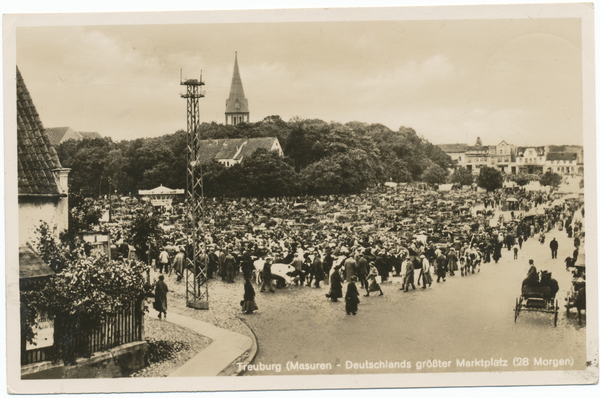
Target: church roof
(36,157)
(237,102)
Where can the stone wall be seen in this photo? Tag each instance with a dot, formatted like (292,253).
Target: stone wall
(116,362)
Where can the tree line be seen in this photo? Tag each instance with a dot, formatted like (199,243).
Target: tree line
(320,158)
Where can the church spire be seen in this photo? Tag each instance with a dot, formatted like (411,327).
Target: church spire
(236,106)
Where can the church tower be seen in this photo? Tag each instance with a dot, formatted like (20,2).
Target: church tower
(236,106)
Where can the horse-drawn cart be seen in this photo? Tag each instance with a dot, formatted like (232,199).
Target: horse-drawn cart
(536,299)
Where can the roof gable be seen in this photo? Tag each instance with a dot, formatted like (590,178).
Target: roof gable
(36,157)
(232,149)
(453,148)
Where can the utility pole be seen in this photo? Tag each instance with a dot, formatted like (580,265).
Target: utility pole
(196,291)
(109,202)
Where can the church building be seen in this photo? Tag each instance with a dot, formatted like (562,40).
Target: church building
(236,106)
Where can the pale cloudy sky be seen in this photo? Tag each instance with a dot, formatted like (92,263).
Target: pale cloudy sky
(518,80)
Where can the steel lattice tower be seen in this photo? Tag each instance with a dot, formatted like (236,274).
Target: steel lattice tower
(196,292)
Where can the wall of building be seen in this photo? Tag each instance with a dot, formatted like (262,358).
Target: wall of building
(34,210)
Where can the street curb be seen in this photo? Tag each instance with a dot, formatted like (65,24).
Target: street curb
(246,358)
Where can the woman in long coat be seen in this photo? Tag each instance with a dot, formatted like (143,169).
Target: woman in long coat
(352,299)
(160,297)
(249,304)
(336,285)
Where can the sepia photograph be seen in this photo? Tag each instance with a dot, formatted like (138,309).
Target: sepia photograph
(300,199)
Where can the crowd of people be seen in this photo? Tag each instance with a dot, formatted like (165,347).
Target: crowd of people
(361,241)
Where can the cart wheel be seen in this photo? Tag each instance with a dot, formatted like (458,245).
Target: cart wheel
(516,309)
(555,312)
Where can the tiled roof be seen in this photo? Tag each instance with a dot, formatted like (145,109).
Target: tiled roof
(233,149)
(31,265)
(453,148)
(36,157)
(56,134)
(562,156)
(539,149)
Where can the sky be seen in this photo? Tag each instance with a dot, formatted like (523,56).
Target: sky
(518,80)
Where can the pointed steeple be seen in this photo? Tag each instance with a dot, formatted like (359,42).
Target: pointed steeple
(236,106)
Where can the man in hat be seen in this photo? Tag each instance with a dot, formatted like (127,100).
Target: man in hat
(426,271)
(178,264)
(554,248)
(317,266)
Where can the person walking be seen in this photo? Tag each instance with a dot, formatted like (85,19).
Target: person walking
(249,305)
(516,251)
(426,272)
(335,285)
(229,266)
(317,267)
(440,262)
(160,297)
(178,264)
(361,271)
(267,276)
(352,299)
(372,278)
(409,274)
(163,261)
(554,248)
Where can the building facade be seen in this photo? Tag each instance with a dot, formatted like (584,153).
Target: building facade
(509,159)
(42,181)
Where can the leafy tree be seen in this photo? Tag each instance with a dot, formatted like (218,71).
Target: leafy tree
(550,178)
(434,175)
(490,179)
(462,176)
(83,213)
(81,297)
(142,230)
(267,175)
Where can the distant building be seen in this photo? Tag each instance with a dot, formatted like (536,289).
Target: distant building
(530,160)
(160,196)
(58,135)
(456,151)
(236,106)
(42,181)
(561,159)
(233,151)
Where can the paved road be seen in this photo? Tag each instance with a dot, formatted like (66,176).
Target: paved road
(468,318)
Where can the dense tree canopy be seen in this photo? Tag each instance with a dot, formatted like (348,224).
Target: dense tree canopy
(434,175)
(321,158)
(462,176)
(550,178)
(490,179)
